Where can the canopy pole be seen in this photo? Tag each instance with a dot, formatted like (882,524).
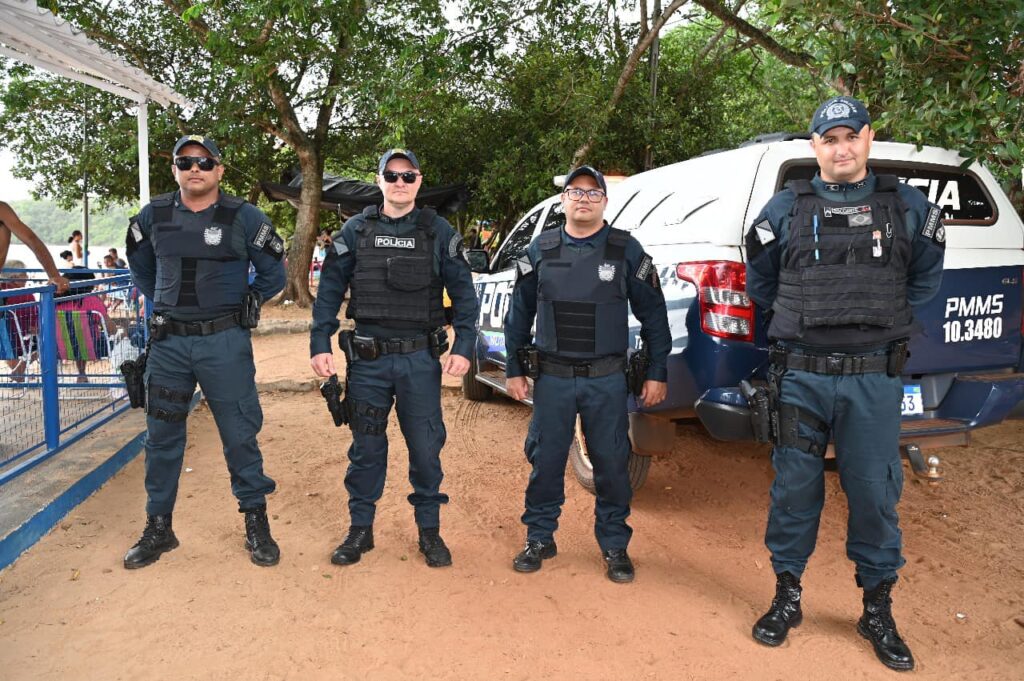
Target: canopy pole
(143,118)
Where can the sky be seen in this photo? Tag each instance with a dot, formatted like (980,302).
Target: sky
(11,189)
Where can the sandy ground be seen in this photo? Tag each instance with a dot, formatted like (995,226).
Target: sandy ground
(69,611)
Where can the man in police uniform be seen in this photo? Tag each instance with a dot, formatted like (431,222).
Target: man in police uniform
(578,283)
(397,259)
(839,261)
(189,253)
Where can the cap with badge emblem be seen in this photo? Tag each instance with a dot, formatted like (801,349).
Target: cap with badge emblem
(397,153)
(204,142)
(840,112)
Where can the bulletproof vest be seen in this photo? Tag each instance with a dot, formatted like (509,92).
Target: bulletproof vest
(187,254)
(582,306)
(843,275)
(395,282)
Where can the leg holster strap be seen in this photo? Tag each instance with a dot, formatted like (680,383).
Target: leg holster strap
(790,418)
(165,415)
(365,418)
(168,394)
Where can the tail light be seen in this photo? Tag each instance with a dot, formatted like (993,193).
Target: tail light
(725,308)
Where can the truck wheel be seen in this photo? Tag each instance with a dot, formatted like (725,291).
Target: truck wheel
(473,389)
(638,465)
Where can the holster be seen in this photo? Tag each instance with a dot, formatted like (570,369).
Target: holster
(346,343)
(134,371)
(333,391)
(365,347)
(249,316)
(899,351)
(529,359)
(636,370)
(760,403)
(158,328)
(438,342)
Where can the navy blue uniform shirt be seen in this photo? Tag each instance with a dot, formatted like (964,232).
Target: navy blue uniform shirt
(233,275)
(337,274)
(646,302)
(923,277)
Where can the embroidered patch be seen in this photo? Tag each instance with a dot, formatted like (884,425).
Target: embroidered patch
(860,219)
(454,246)
(340,247)
(931,222)
(523,267)
(262,234)
(606,271)
(644,268)
(277,244)
(383,241)
(213,235)
(846,210)
(940,234)
(136,232)
(764,232)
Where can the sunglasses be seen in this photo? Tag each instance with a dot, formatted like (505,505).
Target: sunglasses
(390,176)
(205,163)
(578,194)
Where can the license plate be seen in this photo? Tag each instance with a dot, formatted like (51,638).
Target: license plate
(912,402)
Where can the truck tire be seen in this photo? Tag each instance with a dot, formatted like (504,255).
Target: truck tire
(638,465)
(473,389)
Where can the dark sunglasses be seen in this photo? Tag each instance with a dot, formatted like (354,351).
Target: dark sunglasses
(204,162)
(408,176)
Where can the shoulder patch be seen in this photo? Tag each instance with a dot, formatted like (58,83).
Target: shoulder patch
(135,234)
(931,223)
(523,267)
(647,272)
(454,246)
(340,247)
(764,232)
(262,234)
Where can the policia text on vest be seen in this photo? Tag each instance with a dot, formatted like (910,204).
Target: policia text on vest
(396,260)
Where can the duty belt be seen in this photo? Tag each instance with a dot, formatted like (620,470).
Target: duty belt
(834,364)
(205,327)
(582,368)
(371,347)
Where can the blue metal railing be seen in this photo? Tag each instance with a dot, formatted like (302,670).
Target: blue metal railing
(59,360)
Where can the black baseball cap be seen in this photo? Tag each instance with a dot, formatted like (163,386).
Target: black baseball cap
(840,111)
(397,153)
(587,170)
(204,142)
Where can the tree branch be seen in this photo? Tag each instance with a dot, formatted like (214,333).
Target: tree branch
(730,18)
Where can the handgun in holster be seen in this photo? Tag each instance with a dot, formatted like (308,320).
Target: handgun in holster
(899,351)
(333,391)
(759,400)
(529,360)
(438,342)
(249,315)
(636,370)
(158,329)
(134,372)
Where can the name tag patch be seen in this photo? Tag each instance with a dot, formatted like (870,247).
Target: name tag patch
(382,241)
(262,234)
(931,223)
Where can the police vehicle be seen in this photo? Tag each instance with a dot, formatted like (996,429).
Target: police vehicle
(965,367)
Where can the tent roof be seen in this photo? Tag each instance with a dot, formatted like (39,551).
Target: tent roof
(36,36)
(348,197)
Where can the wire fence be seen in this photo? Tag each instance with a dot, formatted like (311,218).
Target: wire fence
(60,359)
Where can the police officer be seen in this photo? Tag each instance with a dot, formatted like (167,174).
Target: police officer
(397,259)
(578,283)
(189,253)
(840,261)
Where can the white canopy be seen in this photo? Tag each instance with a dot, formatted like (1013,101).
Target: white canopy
(37,37)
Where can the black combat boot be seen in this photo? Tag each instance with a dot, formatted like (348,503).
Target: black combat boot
(785,612)
(358,541)
(263,550)
(535,553)
(620,567)
(433,548)
(878,626)
(157,538)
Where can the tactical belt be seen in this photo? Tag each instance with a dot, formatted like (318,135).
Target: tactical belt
(840,364)
(565,368)
(370,347)
(204,327)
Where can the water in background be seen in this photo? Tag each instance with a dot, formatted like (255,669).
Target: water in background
(24,253)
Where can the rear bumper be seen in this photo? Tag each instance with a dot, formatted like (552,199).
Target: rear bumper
(973,401)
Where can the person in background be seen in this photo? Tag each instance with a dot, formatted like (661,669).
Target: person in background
(67,257)
(27,319)
(78,253)
(119,262)
(10,224)
(473,239)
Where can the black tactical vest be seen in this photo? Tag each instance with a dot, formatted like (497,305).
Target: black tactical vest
(843,275)
(187,253)
(395,282)
(582,306)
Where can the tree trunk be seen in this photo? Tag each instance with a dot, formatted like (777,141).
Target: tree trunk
(307,225)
